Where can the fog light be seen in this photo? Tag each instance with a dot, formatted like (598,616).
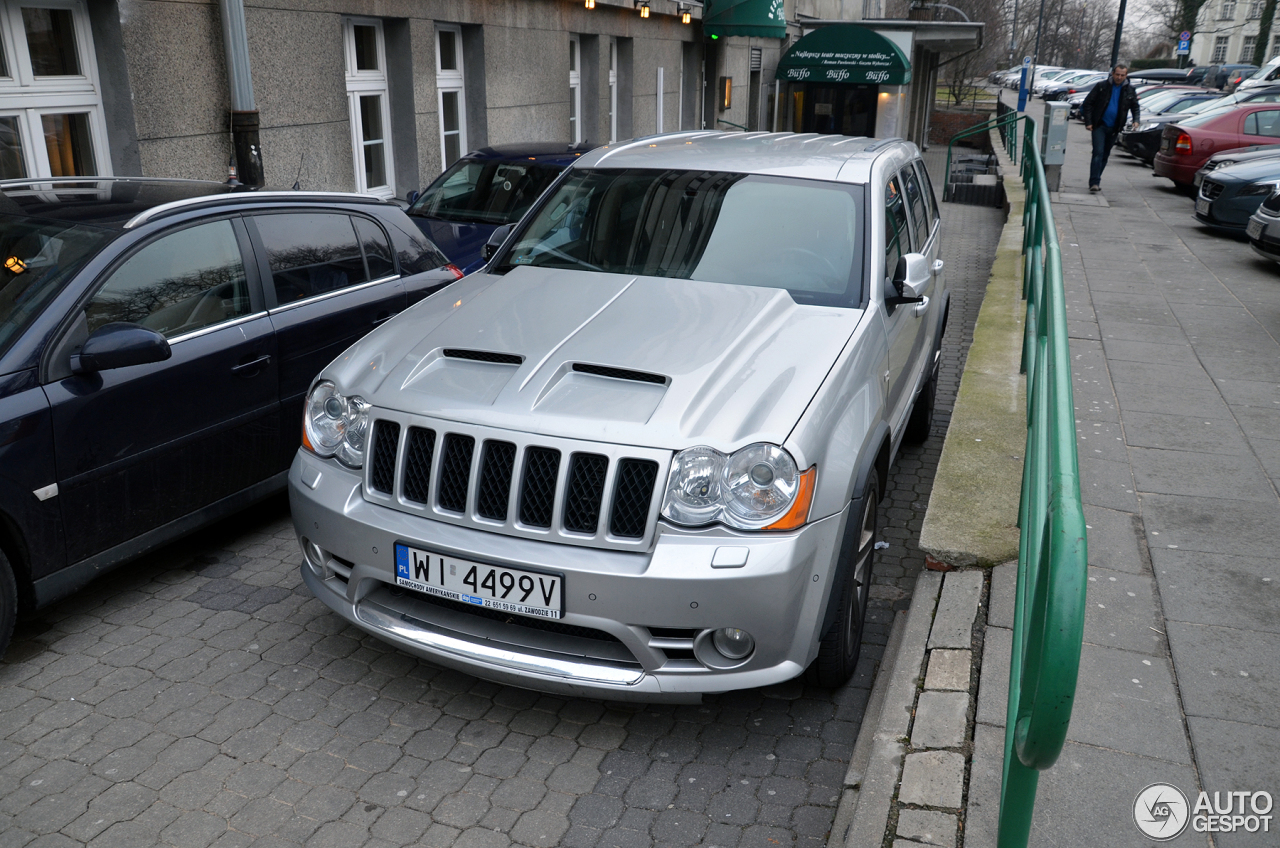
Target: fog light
(733,643)
(313,554)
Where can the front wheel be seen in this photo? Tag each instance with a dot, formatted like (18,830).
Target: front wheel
(838,652)
(8,603)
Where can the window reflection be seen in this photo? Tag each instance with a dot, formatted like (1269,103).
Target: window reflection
(375,171)
(11,164)
(51,40)
(69,144)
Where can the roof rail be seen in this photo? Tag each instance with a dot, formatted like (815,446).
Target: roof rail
(176,206)
(882,143)
(97,179)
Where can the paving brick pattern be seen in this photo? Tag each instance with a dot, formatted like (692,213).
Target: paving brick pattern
(201,697)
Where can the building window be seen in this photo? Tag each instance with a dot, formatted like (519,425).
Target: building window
(453,100)
(575,89)
(51,122)
(1246,50)
(366,54)
(1220,49)
(613,91)
(1275,48)
(1228,11)
(1255,10)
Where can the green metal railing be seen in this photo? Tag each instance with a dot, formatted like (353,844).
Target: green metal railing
(1007,124)
(1048,624)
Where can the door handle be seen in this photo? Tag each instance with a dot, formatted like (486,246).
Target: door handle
(248,369)
(922,307)
(937,267)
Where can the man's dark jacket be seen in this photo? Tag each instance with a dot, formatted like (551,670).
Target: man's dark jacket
(1095,104)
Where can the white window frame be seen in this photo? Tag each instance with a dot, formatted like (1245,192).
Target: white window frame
(1221,44)
(29,98)
(613,90)
(1246,48)
(363,84)
(575,89)
(1228,12)
(451,80)
(1255,10)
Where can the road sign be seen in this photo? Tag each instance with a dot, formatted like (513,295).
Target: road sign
(1184,47)
(1185,36)
(1026,60)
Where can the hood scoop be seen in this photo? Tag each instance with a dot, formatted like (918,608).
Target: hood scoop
(483,356)
(619,373)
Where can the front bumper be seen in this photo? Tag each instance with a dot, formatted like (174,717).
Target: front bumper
(1265,240)
(636,625)
(1220,205)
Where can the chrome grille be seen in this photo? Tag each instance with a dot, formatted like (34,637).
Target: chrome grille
(581,493)
(1210,190)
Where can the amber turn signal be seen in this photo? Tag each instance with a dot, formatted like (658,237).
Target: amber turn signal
(798,514)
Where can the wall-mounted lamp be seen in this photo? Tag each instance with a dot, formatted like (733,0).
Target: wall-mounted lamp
(686,14)
(591,4)
(644,8)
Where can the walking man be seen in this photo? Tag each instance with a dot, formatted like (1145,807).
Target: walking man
(1104,110)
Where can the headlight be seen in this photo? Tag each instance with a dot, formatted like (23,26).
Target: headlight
(1145,127)
(1259,188)
(755,488)
(335,425)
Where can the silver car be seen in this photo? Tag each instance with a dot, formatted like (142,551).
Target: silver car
(638,455)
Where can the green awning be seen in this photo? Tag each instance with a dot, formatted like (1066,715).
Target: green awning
(761,18)
(845,53)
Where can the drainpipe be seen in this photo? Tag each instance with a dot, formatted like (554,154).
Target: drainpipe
(244,114)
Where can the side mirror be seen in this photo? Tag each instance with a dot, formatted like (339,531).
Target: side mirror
(413,196)
(910,279)
(119,345)
(496,238)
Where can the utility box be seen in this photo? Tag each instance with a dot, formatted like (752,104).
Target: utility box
(1053,141)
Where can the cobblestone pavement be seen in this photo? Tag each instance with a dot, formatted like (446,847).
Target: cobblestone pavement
(201,696)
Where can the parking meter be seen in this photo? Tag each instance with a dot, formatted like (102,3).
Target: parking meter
(1053,141)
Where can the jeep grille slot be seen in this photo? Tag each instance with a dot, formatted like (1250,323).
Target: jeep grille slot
(538,489)
(619,373)
(585,491)
(484,356)
(631,496)
(386,439)
(495,480)
(417,465)
(455,471)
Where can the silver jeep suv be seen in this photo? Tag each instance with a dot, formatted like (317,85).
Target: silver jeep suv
(638,456)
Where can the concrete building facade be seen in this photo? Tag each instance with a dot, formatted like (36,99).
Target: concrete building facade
(1226,32)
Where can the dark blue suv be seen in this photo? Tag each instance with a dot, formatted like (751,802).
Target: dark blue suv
(157,339)
(484,190)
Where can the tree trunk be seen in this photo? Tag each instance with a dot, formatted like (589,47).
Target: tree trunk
(1264,33)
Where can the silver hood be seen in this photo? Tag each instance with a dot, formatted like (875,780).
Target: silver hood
(714,364)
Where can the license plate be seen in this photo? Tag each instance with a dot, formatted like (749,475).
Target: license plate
(1254,230)
(534,593)
(1202,206)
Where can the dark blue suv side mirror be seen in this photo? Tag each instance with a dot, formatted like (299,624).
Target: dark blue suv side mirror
(118,345)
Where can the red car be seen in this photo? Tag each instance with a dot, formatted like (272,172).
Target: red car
(1188,144)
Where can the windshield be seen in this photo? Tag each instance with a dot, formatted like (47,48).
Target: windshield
(1158,102)
(800,235)
(485,191)
(36,258)
(1230,101)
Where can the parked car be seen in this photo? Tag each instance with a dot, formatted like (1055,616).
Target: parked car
(157,340)
(484,190)
(1232,157)
(1265,75)
(1196,75)
(1229,196)
(1077,84)
(1144,141)
(1187,143)
(1238,75)
(1225,73)
(638,456)
(1158,75)
(1263,229)
(1048,78)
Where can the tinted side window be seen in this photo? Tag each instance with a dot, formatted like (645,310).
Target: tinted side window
(919,212)
(377,250)
(1263,124)
(926,188)
(310,253)
(178,283)
(897,240)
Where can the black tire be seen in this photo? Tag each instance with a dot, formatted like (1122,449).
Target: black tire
(838,652)
(8,603)
(920,424)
